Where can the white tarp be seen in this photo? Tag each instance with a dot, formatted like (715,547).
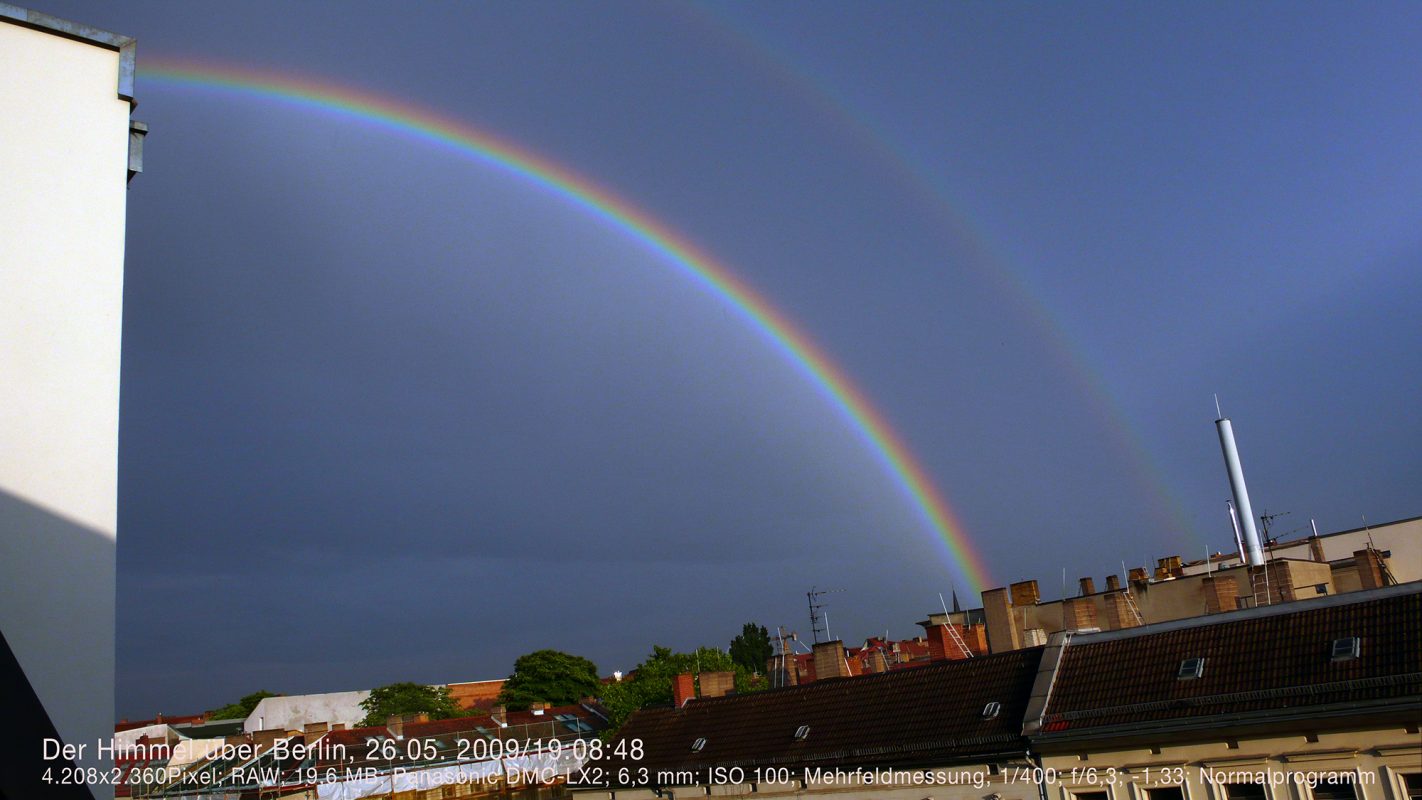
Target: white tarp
(532,768)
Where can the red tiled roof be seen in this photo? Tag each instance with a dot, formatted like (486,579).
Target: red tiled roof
(930,715)
(1259,661)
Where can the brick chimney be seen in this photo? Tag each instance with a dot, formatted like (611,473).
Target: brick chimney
(877,661)
(1113,583)
(1118,611)
(264,739)
(782,675)
(1002,625)
(500,714)
(717,684)
(941,646)
(1024,593)
(683,689)
(1088,586)
(1078,613)
(1369,568)
(830,661)
(1221,593)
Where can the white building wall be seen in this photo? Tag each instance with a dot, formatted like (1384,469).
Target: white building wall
(64,141)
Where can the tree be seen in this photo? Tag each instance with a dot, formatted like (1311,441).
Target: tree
(751,649)
(549,676)
(651,681)
(242,708)
(408,698)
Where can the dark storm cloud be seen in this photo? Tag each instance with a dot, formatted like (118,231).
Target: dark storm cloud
(392,415)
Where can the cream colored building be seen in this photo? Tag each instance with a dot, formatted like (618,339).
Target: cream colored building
(67,151)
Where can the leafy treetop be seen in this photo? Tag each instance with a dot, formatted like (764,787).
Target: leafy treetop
(549,676)
(751,649)
(242,708)
(408,698)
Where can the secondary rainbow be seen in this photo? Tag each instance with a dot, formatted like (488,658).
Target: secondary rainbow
(432,127)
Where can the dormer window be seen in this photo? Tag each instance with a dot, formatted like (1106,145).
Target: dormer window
(991,710)
(698,745)
(1347,648)
(802,732)
(1191,668)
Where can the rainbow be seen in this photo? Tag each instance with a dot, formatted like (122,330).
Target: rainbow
(431,127)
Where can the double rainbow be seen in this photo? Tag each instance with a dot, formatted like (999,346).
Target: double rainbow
(430,127)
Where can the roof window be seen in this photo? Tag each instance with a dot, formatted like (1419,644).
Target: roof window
(1347,648)
(1191,668)
(991,710)
(698,745)
(802,732)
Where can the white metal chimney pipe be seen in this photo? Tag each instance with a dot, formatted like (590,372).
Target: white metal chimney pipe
(1240,492)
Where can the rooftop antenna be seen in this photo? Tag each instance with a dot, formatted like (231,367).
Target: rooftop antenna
(815,607)
(1238,536)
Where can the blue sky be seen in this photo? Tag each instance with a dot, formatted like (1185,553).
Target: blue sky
(392,415)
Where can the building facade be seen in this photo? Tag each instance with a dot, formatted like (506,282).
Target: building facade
(67,151)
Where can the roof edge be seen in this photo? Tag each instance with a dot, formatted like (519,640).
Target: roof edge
(1279,609)
(126,46)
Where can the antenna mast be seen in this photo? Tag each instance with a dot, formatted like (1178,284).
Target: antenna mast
(818,622)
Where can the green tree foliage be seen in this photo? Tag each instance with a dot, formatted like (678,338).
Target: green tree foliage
(651,682)
(549,676)
(242,708)
(408,698)
(751,649)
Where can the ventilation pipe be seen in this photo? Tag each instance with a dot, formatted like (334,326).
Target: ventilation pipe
(1240,491)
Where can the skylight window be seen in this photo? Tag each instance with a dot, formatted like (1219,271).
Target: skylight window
(801,732)
(1191,668)
(1347,648)
(572,723)
(699,744)
(992,709)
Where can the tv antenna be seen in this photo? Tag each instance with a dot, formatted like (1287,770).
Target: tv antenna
(817,619)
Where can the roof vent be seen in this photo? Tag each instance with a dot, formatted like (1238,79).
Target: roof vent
(698,745)
(801,732)
(1191,668)
(991,709)
(1347,648)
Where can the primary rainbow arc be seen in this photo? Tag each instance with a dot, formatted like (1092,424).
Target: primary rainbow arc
(696,264)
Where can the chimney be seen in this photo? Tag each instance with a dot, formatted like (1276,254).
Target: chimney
(1024,593)
(1002,626)
(877,662)
(395,723)
(264,739)
(1078,613)
(782,674)
(1088,586)
(538,708)
(1118,611)
(1369,568)
(1139,575)
(717,684)
(941,646)
(1113,582)
(830,661)
(683,689)
(500,714)
(312,730)
(1221,593)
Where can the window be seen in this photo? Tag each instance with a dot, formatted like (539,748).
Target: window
(699,744)
(572,723)
(1089,796)
(801,732)
(991,709)
(1166,793)
(1244,791)
(1335,786)
(1347,648)
(1413,785)
(1191,668)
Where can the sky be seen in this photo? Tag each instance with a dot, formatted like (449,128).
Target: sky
(392,412)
